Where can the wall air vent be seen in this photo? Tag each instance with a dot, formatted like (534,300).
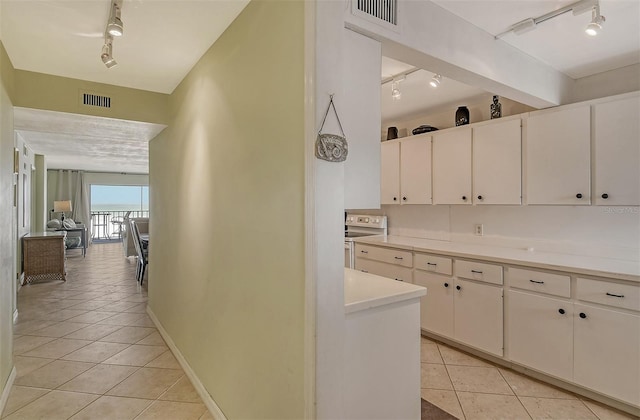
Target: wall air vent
(91,99)
(385,10)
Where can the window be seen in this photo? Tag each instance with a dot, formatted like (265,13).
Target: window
(120,199)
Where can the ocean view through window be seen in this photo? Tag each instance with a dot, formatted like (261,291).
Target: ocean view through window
(110,204)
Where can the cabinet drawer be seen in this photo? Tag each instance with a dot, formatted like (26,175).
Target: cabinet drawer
(431,263)
(489,273)
(537,281)
(391,271)
(388,255)
(612,294)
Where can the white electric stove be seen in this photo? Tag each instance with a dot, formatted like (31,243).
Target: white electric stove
(357,226)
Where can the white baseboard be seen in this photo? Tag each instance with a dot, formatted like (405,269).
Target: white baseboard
(7,389)
(195,381)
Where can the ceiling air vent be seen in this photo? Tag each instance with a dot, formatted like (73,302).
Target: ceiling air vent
(385,10)
(91,99)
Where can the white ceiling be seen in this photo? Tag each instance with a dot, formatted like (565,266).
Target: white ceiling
(560,42)
(164,39)
(71,141)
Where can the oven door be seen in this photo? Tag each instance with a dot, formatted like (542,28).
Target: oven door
(348,254)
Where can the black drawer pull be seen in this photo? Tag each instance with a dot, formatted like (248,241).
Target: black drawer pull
(433,264)
(536,281)
(618,296)
(395,198)
(458,287)
(583,315)
(476,271)
(446,285)
(364,271)
(399,280)
(561,311)
(578,196)
(364,251)
(398,258)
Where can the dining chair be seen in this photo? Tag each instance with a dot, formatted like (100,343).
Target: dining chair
(143,254)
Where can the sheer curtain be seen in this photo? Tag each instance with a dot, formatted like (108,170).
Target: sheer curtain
(70,185)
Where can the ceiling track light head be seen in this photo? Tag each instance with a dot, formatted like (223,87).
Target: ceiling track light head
(594,27)
(435,81)
(395,92)
(115,27)
(107,53)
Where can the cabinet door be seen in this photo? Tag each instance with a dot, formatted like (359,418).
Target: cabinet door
(541,333)
(617,152)
(558,157)
(497,163)
(390,173)
(607,352)
(436,307)
(359,109)
(415,170)
(452,167)
(478,316)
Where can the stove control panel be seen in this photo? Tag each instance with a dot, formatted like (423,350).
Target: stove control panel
(370,221)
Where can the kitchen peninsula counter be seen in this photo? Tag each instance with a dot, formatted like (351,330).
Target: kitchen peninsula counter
(585,265)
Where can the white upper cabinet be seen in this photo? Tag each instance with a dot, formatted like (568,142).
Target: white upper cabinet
(558,156)
(452,167)
(617,152)
(497,162)
(415,170)
(359,110)
(390,172)
(406,171)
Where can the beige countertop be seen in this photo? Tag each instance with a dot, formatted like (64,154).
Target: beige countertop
(365,291)
(586,265)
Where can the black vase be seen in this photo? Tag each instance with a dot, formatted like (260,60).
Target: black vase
(392,133)
(462,116)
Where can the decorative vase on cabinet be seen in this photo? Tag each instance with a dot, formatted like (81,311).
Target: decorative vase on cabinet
(462,116)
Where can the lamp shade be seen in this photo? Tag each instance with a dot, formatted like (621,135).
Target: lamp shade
(62,206)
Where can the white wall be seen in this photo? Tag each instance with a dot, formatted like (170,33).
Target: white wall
(584,230)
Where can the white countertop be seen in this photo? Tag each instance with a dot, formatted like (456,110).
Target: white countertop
(587,265)
(365,291)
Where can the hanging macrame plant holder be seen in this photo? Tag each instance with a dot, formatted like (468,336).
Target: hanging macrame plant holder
(331,147)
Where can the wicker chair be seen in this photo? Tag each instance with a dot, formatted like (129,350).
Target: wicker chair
(143,253)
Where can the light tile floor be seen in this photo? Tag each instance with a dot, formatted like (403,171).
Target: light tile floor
(470,388)
(86,349)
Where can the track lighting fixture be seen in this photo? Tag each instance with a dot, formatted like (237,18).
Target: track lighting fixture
(115,27)
(107,52)
(577,8)
(436,80)
(395,92)
(593,28)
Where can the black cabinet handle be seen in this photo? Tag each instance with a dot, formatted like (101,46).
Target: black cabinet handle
(605,196)
(395,198)
(578,195)
(399,280)
(433,264)
(618,296)
(536,282)
(476,271)
(479,197)
(561,311)
(364,251)
(404,198)
(583,315)
(446,285)
(464,198)
(364,271)
(458,288)
(398,258)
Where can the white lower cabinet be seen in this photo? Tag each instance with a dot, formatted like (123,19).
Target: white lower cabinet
(477,315)
(436,307)
(541,333)
(607,351)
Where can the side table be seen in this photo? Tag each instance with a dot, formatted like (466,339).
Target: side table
(43,256)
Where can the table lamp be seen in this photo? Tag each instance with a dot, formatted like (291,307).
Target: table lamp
(62,207)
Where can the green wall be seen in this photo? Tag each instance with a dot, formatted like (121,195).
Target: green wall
(227,180)
(55,93)
(7,233)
